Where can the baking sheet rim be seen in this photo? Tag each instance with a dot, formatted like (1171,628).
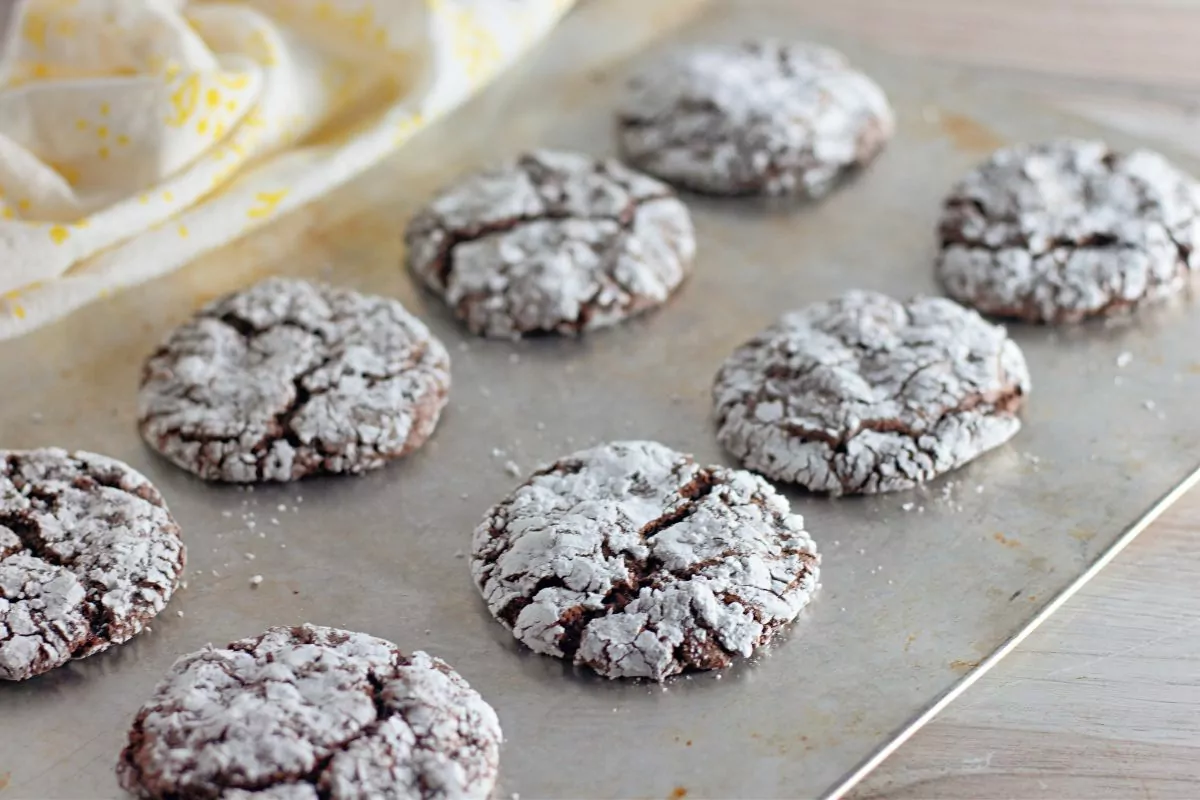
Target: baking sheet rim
(855,776)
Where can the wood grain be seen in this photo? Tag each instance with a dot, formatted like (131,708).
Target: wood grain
(1148,41)
(1104,700)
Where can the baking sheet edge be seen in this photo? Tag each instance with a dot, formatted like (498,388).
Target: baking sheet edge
(893,744)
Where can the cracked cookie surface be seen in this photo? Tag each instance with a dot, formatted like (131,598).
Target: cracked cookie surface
(865,394)
(289,378)
(88,555)
(635,561)
(1068,229)
(310,712)
(767,118)
(551,243)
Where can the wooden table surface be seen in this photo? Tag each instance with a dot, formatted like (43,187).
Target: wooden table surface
(1103,701)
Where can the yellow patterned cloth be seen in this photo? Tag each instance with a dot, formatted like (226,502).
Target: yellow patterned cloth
(136,134)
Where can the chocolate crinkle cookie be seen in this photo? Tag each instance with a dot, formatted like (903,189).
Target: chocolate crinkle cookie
(864,394)
(309,712)
(88,555)
(760,118)
(289,378)
(1068,229)
(551,243)
(634,560)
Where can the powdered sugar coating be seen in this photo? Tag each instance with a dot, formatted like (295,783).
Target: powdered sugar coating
(309,712)
(289,378)
(288,791)
(757,118)
(88,555)
(633,560)
(866,394)
(1067,229)
(551,243)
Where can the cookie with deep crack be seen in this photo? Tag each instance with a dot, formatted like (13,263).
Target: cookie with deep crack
(634,560)
(759,118)
(865,394)
(309,712)
(288,379)
(1068,229)
(89,555)
(551,242)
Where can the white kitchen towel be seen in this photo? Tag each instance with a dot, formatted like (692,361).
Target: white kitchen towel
(137,134)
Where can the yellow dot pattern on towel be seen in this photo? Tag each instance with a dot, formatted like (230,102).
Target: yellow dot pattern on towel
(159,114)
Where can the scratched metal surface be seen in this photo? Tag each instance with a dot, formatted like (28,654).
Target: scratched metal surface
(910,601)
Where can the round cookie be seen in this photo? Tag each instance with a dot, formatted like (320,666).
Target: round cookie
(865,394)
(289,378)
(308,712)
(1068,229)
(759,118)
(551,243)
(633,560)
(88,555)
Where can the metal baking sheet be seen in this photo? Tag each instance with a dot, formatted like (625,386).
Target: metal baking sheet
(912,601)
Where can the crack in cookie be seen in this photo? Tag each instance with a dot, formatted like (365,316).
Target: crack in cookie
(1068,229)
(288,379)
(865,394)
(88,555)
(312,713)
(551,243)
(758,118)
(631,559)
